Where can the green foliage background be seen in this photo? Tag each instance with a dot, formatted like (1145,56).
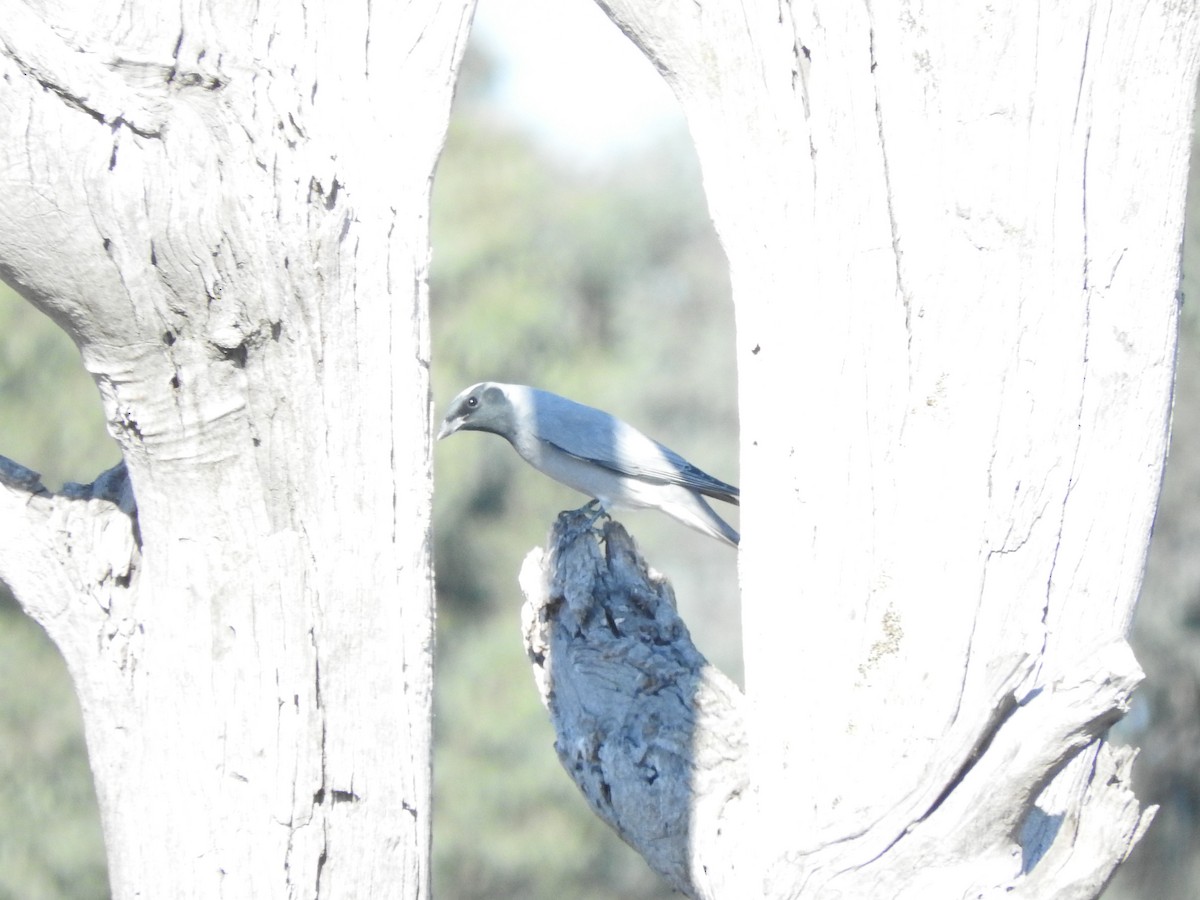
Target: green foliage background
(50,418)
(607,285)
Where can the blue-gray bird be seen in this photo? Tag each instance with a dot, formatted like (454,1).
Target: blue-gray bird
(593,452)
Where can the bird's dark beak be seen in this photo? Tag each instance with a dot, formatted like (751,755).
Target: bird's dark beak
(449,426)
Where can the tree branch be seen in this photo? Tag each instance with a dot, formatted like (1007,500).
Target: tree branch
(1001,830)
(653,735)
(55,548)
(81,79)
(1090,820)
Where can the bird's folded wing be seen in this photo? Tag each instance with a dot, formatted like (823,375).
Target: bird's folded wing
(593,435)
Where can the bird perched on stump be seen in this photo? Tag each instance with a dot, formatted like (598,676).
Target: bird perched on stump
(594,453)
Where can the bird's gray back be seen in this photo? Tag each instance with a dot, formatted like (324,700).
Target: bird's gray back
(593,434)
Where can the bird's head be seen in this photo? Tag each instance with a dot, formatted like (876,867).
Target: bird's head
(481,407)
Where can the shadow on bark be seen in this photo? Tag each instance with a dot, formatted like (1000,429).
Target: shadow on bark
(653,735)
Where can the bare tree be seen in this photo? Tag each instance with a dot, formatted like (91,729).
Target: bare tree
(954,242)
(953,236)
(226,207)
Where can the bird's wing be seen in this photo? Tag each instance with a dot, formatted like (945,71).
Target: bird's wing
(594,435)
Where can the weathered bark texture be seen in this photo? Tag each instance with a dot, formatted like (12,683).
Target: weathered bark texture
(225,205)
(954,242)
(653,735)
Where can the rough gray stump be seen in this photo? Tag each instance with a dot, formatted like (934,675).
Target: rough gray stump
(651,732)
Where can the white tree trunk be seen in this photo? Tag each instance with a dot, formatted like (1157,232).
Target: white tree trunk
(954,240)
(226,206)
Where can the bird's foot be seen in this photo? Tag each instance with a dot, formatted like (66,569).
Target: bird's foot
(597,510)
(585,517)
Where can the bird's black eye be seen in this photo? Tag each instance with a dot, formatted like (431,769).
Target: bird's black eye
(472,402)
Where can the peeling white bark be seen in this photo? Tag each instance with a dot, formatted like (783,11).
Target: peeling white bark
(226,207)
(953,236)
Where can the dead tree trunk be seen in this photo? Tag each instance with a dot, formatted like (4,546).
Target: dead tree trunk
(226,206)
(954,242)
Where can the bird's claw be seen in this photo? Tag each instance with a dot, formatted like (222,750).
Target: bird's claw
(597,510)
(585,517)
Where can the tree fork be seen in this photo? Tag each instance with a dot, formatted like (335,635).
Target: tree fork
(654,737)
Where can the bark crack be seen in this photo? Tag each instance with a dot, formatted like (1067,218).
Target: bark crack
(1079,410)
(889,194)
(81,103)
(80,79)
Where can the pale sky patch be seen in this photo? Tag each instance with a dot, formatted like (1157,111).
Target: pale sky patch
(572,78)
